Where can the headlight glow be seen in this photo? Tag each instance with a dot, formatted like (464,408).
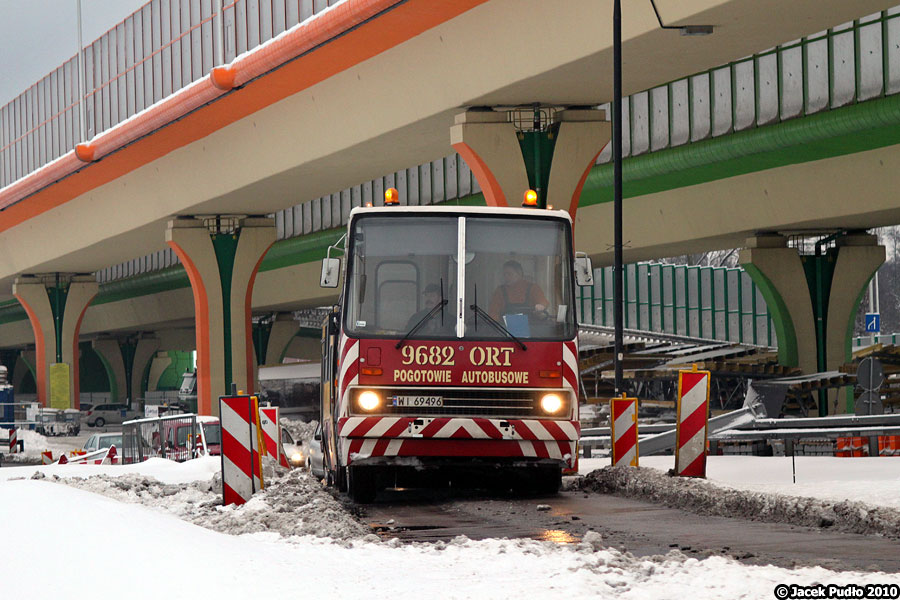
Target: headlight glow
(551,403)
(296,458)
(368,400)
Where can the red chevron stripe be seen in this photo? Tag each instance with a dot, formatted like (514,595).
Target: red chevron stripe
(236,452)
(461,434)
(229,496)
(697,468)
(350,343)
(397,428)
(689,427)
(624,443)
(352,371)
(523,430)
(364,427)
(689,380)
(555,431)
(435,426)
(489,428)
(380,447)
(355,446)
(540,448)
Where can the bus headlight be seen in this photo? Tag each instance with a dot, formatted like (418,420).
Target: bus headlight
(368,400)
(551,403)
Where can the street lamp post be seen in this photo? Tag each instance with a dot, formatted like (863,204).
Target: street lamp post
(618,275)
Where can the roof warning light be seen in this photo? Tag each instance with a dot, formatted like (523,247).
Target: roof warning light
(391,197)
(530,200)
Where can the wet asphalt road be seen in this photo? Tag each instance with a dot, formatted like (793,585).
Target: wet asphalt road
(638,527)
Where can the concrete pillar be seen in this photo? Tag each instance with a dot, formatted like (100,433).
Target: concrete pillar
(778,272)
(802,290)
(24,366)
(111,354)
(508,161)
(284,328)
(126,360)
(221,255)
(159,363)
(55,304)
(144,351)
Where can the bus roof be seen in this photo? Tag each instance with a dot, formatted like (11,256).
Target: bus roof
(464,210)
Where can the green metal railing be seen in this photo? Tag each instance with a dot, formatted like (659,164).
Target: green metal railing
(851,63)
(697,301)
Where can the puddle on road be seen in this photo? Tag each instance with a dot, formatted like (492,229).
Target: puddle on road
(557,536)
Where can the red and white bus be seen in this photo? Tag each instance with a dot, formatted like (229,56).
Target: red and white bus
(453,346)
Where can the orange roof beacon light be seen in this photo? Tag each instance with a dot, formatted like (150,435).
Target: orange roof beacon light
(530,200)
(391,197)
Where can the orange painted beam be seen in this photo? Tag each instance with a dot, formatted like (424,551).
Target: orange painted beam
(357,40)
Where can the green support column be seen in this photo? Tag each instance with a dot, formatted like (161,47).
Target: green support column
(813,300)
(55,304)
(221,255)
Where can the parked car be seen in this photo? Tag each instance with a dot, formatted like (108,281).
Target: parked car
(99,441)
(314,461)
(104,414)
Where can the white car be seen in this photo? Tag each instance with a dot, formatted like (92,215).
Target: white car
(314,458)
(104,414)
(99,441)
(292,450)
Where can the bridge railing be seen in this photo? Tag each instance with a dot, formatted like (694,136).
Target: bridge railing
(851,63)
(710,302)
(169,43)
(159,49)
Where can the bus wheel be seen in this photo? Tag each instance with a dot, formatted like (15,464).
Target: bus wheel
(362,484)
(548,480)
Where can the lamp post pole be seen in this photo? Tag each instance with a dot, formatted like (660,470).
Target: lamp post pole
(618,274)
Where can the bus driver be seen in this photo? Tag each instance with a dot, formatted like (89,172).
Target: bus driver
(516,295)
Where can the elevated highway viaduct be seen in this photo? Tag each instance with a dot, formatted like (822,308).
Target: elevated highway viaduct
(371,87)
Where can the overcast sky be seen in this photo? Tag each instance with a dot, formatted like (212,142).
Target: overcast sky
(36,36)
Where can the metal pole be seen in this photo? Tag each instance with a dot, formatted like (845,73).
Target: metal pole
(81,113)
(220,33)
(618,279)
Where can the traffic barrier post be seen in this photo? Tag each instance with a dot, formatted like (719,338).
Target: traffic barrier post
(693,423)
(13,441)
(623,420)
(238,470)
(47,457)
(271,428)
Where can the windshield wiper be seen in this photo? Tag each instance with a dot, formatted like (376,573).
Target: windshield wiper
(437,307)
(497,325)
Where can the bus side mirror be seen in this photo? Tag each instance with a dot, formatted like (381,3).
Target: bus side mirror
(331,272)
(584,272)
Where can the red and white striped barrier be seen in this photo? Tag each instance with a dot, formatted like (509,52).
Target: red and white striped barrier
(623,416)
(271,430)
(691,430)
(240,459)
(105,456)
(47,457)
(13,441)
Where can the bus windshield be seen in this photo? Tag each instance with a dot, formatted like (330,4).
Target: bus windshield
(405,271)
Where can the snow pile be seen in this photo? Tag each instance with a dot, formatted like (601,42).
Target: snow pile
(186,561)
(301,431)
(166,471)
(873,480)
(702,497)
(293,503)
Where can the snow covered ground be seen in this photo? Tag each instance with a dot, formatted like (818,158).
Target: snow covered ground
(874,481)
(146,517)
